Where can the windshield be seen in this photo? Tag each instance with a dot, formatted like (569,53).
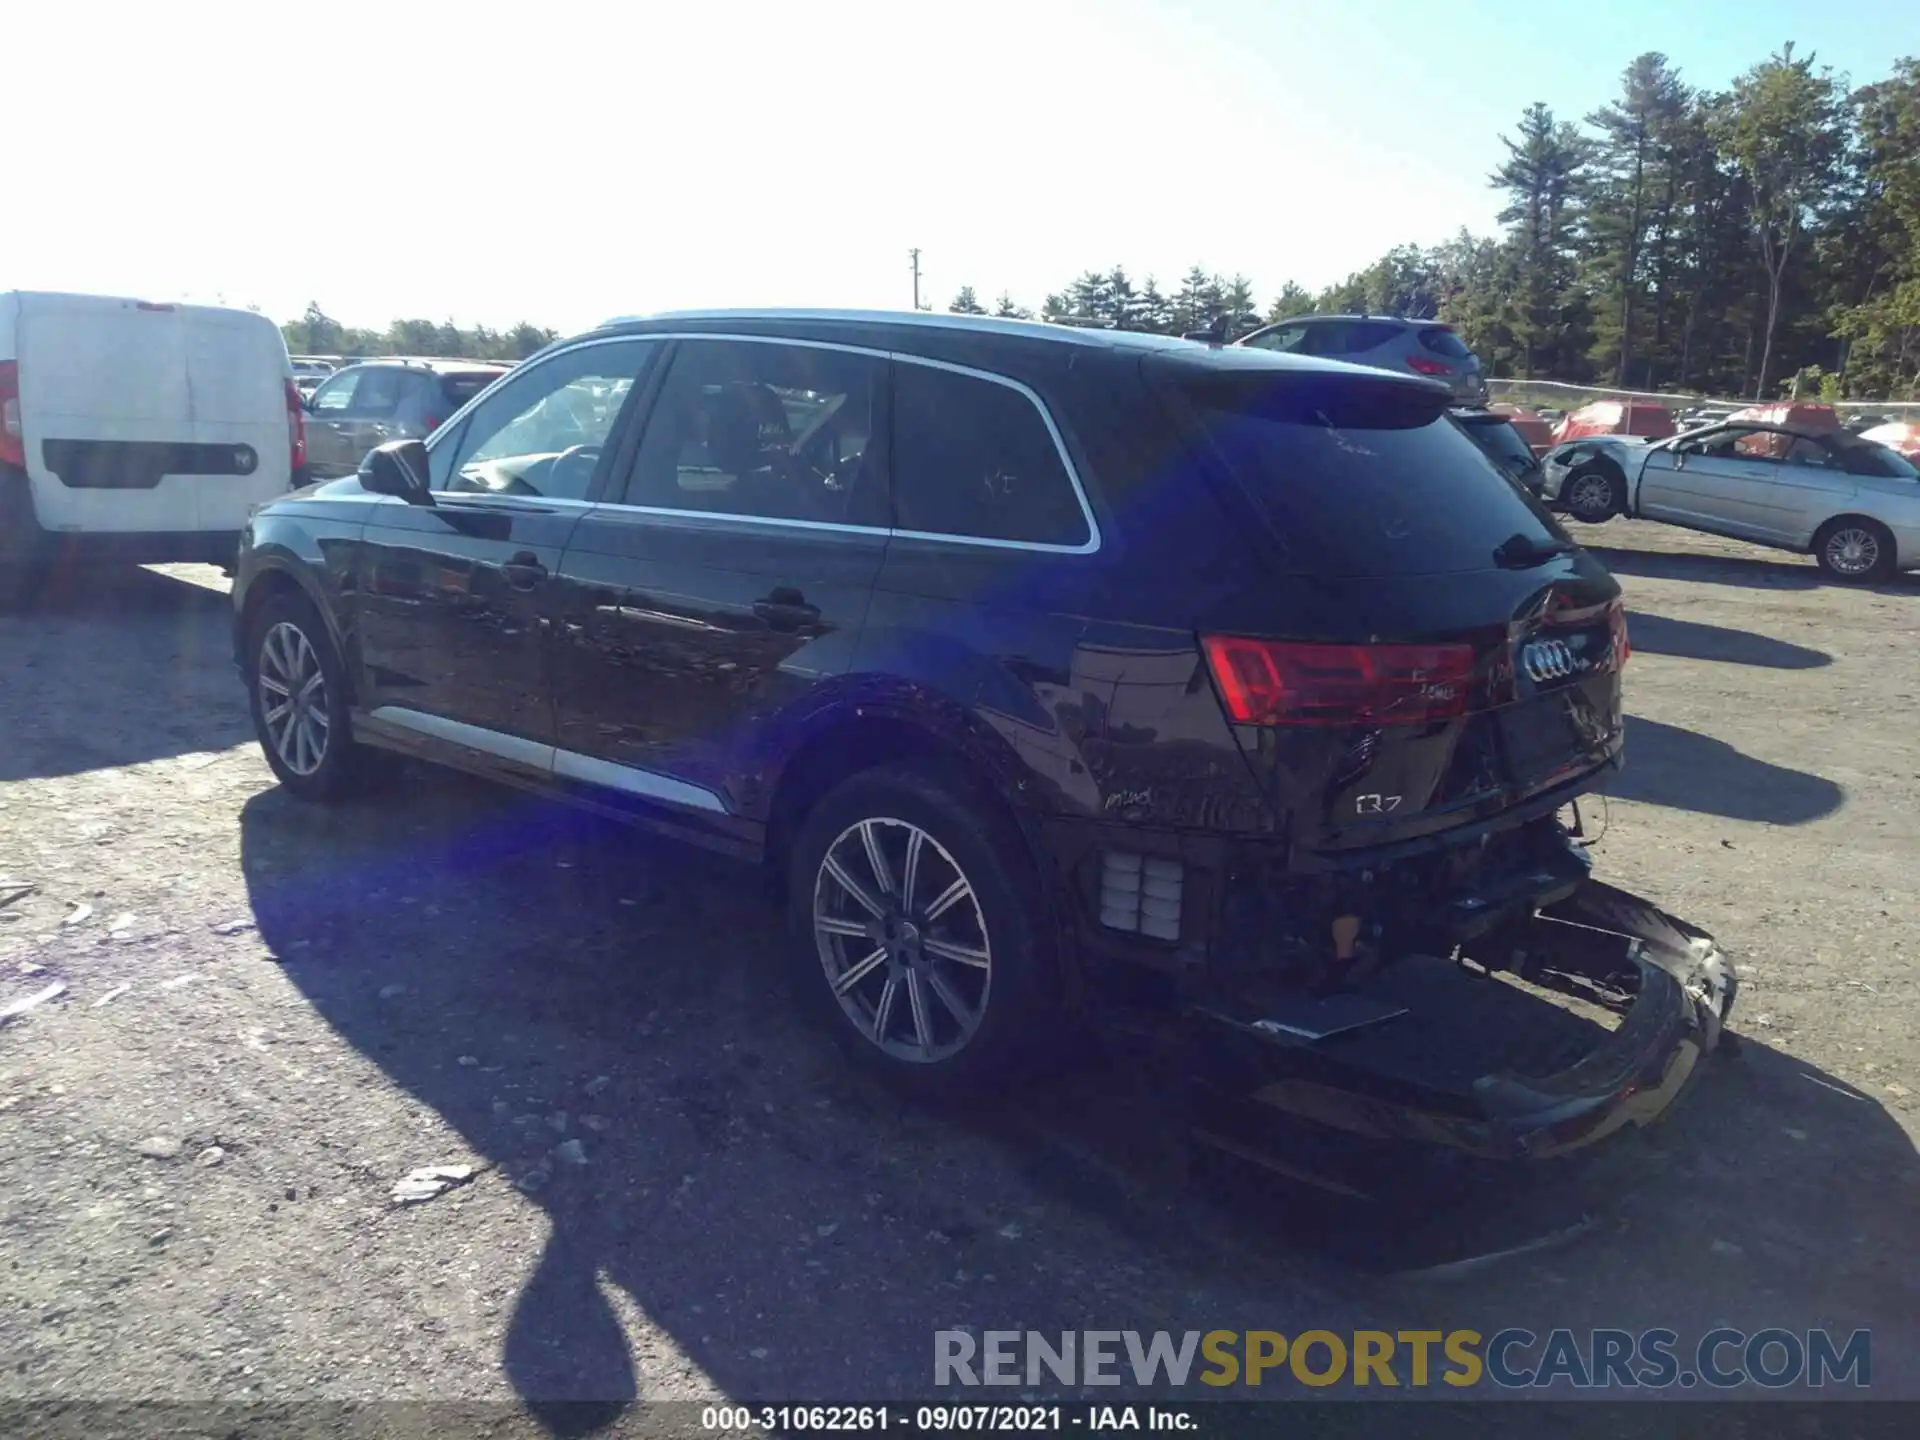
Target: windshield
(1364,481)
(1501,441)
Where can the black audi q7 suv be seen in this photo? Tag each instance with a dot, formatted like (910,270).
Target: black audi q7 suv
(1056,672)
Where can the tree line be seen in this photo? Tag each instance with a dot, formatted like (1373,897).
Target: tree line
(1757,240)
(317,333)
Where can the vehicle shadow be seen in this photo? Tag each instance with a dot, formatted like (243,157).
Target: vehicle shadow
(1694,640)
(170,644)
(1685,770)
(1738,570)
(799,1233)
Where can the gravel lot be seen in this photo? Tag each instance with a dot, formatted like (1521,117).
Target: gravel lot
(274,1012)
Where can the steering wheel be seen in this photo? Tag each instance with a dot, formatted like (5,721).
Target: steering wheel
(573,455)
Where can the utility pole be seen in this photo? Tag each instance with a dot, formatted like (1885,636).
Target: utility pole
(914,256)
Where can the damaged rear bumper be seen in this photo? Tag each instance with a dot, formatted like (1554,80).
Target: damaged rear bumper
(1343,1101)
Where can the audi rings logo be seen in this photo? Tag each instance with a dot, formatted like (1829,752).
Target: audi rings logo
(1550,660)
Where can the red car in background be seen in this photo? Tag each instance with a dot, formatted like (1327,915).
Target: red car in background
(1795,414)
(1646,418)
(1534,427)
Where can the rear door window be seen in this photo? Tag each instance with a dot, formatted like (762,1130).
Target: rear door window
(1367,335)
(1361,480)
(769,431)
(975,458)
(380,391)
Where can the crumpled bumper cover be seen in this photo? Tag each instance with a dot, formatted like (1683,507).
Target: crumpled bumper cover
(1268,1097)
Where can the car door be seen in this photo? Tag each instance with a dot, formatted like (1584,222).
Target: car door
(1812,486)
(453,619)
(349,415)
(1721,483)
(728,574)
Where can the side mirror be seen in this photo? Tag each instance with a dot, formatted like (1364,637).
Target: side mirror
(397,468)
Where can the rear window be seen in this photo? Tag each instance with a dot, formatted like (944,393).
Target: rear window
(1865,457)
(1363,480)
(1442,341)
(461,388)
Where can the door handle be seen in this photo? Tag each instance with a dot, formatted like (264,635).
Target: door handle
(786,609)
(524,571)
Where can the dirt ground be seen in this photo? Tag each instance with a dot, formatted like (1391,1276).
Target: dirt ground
(274,1012)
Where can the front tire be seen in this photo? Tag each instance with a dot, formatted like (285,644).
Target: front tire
(297,692)
(921,936)
(1855,550)
(1594,494)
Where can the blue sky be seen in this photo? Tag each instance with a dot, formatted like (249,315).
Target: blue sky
(570,161)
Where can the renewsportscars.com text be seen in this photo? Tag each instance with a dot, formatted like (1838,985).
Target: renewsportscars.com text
(1513,1358)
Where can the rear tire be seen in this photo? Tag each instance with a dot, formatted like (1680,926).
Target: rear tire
(1855,550)
(297,693)
(1594,494)
(921,937)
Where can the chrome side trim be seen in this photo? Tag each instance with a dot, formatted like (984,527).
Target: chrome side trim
(564,764)
(518,749)
(632,780)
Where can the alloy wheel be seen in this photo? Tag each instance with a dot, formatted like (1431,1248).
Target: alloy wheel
(293,698)
(1590,496)
(902,939)
(1852,550)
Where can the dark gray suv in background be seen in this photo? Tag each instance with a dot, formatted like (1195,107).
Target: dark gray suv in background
(375,401)
(1422,347)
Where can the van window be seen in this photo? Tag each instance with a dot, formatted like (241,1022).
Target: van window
(780,432)
(975,458)
(1362,480)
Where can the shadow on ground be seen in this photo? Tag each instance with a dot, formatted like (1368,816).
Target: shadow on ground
(171,691)
(1736,570)
(1695,640)
(1685,770)
(799,1233)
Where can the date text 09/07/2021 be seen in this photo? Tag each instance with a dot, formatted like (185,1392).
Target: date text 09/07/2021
(948,1419)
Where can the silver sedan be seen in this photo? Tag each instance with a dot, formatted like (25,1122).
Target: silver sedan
(1851,504)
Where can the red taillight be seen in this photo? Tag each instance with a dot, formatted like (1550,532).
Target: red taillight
(1279,682)
(1619,644)
(1426,366)
(296,430)
(13,440)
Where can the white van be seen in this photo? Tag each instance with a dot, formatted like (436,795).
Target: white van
(137,431)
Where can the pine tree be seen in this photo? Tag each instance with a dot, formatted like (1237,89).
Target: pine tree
(1541,176)
(1198,300)
(965,304)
